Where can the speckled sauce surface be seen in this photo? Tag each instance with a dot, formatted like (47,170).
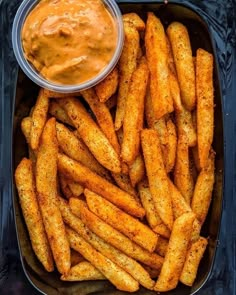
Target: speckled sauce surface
(220,17)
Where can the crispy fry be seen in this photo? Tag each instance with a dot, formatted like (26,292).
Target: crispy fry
(205,104)
(64,187)
(75,188)
(180,206)
(28,200)
(77,150)
(116,275)
(193,258)
(59,113)
(173,80)
(123,181)
(108,86)
(159,125)
(92,136)
(152,217)
(39,117)
(103,117)
(162,246)
(185,128)
(94,182)
(137,170)
(26,124)
(134,110)
(156,51)
(162,230)
(114,237)
(134,20)
(122,260)
(75,257)
(196,230)
(182,175)
(46,174)
(127,64)
(176,253)
(128,225)
(182,52)
(170,152)
(83,271)
(203,189)
(157,177)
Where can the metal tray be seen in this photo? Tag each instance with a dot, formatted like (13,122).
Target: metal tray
(203,34)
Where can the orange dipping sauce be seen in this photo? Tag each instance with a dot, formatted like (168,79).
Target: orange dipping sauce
(69,41)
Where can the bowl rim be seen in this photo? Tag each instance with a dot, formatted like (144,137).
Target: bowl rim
(19,19)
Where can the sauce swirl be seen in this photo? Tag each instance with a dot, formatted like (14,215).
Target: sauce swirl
(69,41)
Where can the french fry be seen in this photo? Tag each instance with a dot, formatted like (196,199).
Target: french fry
(170,152)
(114,237)
(123,181)
(116,275)
(205,104)
(39,117)
(162,246)
(46,174)
(196,230)
(134,20)
(122,260)
(128,225)
(59,113)
(75,188)
(134,111)
(162,230)
(147,201)
(176,253)
(91,134)
(137,170)
(106,88)
(203,189)
(182,52)
(193,258)
(180,206)
(65,189)
(173,80)
(127,64)
(75,257)
(156,51)
(185,128)
(26,124)
(157,177)
(182,175)
(28,200)
(83,271)
(103,117)
(159,125)
(94,182)
(77,150)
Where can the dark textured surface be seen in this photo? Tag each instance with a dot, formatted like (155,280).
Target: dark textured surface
(220,16)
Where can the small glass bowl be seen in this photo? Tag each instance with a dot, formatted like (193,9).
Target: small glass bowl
(23,11)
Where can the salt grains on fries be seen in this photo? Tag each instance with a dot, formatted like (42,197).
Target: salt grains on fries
(120,176)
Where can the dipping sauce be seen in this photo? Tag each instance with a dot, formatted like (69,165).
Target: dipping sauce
(69,41)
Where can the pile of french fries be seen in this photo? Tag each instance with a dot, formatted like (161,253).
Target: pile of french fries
(119,177)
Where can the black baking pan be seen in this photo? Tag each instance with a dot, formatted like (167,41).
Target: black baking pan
(25,92)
